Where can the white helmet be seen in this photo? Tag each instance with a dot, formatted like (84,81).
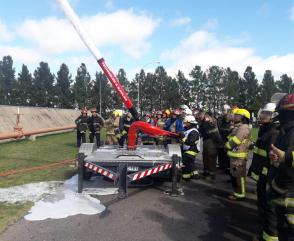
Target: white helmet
(188,112)
(184,107)
(269,107)
(226,107)
(190,119)
(267,110)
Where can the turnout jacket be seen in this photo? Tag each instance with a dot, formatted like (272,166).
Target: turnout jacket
(284,177)
(95,123)
(190,141)
(124,125)
(267,135)
(238,142)
(82,123)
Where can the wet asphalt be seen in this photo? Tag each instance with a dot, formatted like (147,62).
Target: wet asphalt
(203,213)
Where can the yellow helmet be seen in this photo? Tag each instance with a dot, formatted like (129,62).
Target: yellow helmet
(242,112)
(234,110)
(117,113)
(167,112)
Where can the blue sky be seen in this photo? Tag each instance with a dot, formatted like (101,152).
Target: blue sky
(131,34)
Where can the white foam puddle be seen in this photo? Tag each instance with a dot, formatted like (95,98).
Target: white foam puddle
(56,201)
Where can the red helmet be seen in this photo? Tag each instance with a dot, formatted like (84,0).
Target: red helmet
(159,113)
(176,112)
(93,110)
(286,103)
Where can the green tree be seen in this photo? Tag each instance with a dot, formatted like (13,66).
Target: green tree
(43,86)
(284,84)
(122,77)
(172,97)
(249,90)
(214,87)
(82,87)
(184,88)
(268,87)
(231,86)
(106,94)
(198,82)
(160,85)
(25,89)
(7,81)
(63,93)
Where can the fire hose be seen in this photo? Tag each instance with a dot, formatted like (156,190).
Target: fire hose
(147,128)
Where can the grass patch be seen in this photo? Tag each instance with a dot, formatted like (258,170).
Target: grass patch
(45,150)
(10,213)
(25,154)
(254,134)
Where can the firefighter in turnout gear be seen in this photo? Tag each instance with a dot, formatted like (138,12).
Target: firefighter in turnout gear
(82,125)
(112,125)
(211,142)
(190,142)
(95,122)
(238,146)
(225,125)
(260,165)
(279,223)
(124,125)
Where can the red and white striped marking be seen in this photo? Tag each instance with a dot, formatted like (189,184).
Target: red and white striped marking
(150,171)
(100,170)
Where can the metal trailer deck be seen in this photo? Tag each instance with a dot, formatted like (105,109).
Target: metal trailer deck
(125,166)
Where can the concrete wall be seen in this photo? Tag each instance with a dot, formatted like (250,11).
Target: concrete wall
(35,117)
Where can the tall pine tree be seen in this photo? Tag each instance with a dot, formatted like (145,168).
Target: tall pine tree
(43,86)
(63,93)
(82,87)
(25,89)
(7,81)
(268,87)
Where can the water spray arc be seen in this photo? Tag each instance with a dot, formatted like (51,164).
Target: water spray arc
(73,18)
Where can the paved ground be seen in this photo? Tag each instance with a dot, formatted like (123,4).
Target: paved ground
(203,213)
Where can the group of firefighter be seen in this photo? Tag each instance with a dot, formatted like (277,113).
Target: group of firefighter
(226,138)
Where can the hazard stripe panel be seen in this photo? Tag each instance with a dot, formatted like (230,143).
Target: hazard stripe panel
(100,170)
(148,172)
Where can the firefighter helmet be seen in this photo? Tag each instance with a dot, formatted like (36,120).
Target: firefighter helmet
(286,103)
(176,112)
(190,119)
(117,113)
(242,112)
(271,107)
(167,112)
(159,112)
(184,107)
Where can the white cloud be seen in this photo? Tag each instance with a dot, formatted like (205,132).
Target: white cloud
(124,28)
(181,21)
(21,54)
(5,34)
(205,49)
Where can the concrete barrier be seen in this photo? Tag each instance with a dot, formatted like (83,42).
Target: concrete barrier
(35,117)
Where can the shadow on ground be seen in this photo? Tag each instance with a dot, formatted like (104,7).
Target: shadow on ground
(205,214)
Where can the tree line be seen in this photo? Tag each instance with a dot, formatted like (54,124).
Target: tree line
(209,89)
